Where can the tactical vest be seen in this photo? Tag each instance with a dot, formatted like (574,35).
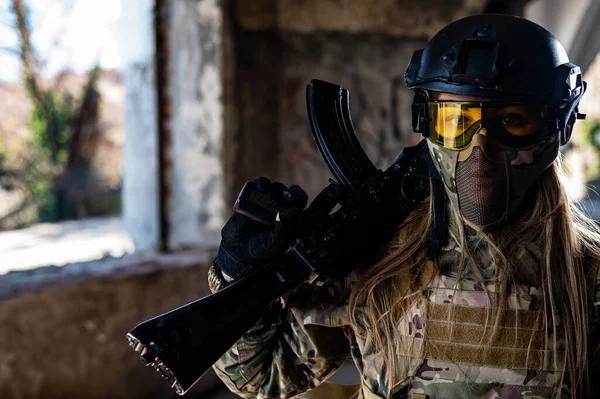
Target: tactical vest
(467,348)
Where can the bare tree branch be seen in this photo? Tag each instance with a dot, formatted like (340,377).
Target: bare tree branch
(10,50)
(67,128)
(27,54)
(9,24)
(31,69)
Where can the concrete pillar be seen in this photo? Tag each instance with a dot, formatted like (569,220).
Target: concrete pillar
(195,201)
(266,51)
(191,123)
(140,183)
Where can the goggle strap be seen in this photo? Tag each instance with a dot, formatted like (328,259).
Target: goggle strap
(419,118)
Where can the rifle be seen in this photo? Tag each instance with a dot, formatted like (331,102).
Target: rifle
(184,343)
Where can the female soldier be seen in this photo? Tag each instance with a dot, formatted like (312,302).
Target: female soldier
(505,307)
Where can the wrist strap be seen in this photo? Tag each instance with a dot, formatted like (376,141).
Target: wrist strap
(229,264)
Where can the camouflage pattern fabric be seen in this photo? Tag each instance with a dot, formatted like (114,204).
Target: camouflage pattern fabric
(595,336)
(292,350)
(296,347)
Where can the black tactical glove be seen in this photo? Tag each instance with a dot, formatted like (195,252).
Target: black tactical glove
(247,243)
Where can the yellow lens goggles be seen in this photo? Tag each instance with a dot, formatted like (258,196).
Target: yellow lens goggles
(513,126)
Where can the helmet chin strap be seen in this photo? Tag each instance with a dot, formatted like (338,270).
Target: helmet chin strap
(437,225)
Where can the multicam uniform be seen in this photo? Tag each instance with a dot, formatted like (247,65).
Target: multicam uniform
(294,349)
(532,91)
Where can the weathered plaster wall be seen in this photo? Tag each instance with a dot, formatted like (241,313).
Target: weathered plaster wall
(186,208)
(253,132)
(372,67)
(363,46)
(69,343)
(559,17)
(401,18)
(574,23)
(195,210)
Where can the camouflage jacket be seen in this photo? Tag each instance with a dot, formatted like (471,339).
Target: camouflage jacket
(296,346)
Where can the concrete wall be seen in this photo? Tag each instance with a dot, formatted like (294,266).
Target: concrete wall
(183,204)
(560,17)
(404,18)
(195,212)
(574,23)
(363,46)
(140,182)
(372,67)
(62,331)
(235,108)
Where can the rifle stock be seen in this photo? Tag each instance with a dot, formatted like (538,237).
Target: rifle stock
(184,343)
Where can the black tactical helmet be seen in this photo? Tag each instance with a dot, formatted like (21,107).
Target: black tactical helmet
(503,57)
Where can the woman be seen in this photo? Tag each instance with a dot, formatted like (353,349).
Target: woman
(508,306)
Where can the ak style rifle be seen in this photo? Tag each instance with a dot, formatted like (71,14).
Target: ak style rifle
(184,343)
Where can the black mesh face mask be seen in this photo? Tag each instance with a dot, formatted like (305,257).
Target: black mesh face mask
(477,181)
(482,189)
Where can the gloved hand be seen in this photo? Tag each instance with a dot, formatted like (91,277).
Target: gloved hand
(247,243)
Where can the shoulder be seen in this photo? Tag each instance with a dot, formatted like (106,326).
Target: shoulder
(320,304)
(314,294)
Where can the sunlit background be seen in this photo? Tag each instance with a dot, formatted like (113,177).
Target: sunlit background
(74,51)
(128,126)
(73,35)
(72,41)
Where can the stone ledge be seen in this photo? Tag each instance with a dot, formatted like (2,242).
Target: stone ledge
(62,243)
(33,281)
(63,328)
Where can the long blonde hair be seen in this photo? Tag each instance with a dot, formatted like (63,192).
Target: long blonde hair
(387,289)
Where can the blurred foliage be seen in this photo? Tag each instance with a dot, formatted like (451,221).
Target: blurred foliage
(64,134)
(591,134)
(29,175)
(588,140)
(58,110)
(51,120)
